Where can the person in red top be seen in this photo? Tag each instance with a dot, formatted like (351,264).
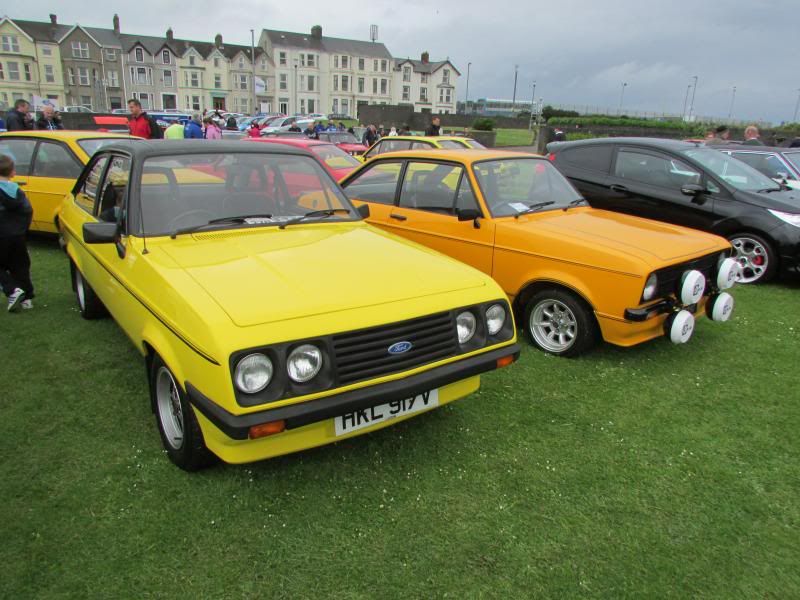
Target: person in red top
(141,124)
(254,131)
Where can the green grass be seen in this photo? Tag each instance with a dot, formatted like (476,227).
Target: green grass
(658,471)
(514,137)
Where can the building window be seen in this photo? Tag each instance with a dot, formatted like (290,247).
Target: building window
(302,105)
(283,81)
(383,66)
(311,105)
(49,75)
(83,76)
(282,58)
(345,83)
(111,54)
(144,98)
(345,61)
(13,71)
(2,74)
(10,43)
(263,64)
(310,61)
(310,83)
(424,77)
(360,64)
(113,79)
(423,94)
(360,85)
(374,65)
(244,105)
(86,101)
(115,102)
(27,68)
(191,60)
(406,73)
(216,62)
(374,86)
(167,78)
(242,82)
(336,61)
(241,62)
(283,106)
(335,83)
(345,105)
(192,79)
(195,102)
(139,75)
(165,57)
(71,75)
(446,76)
(335,106)
(47,51)
(384,87)
(80,49)
(218,82)
(406,93)
(138,55)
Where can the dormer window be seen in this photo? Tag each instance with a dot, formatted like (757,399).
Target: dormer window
(165,57)
(139,55)
(446,76)
(191,60)
(241,62)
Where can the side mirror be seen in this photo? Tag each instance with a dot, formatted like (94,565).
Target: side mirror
(692,189)
(782,176)
(468,214)
(100,232)
(363,210)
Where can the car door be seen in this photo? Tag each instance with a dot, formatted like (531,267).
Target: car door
(52,175)
(431,195)
(376,185)
(647,183)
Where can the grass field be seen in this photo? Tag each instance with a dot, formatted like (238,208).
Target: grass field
(658,471)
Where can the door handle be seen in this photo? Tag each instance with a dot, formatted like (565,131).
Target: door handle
(399,217)
(619,188)
(21,182)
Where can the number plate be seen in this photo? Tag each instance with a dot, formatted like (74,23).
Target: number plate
(367,417)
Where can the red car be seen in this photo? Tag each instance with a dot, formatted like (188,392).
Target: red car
(335,160)
(345,140)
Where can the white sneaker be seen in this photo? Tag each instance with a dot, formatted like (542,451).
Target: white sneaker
(27,304)
(15,299)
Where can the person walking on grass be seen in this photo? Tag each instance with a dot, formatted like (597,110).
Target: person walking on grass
(435,128)
(16,215)
(213,132)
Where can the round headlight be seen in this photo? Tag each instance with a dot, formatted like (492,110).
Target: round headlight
(304,363)
(253,373)
(465,325)
(495,318)
(650,288)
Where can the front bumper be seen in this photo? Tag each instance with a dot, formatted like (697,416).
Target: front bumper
(237,427)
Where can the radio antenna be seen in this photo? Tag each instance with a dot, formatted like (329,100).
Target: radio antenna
(141,215)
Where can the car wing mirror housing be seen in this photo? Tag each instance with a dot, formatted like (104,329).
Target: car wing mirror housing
(363,210)
(101,232)
(692,189)
(468,214)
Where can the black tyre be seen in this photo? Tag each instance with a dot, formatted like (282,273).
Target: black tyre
(177,424)
(88,303)
(559,322)
(755,256)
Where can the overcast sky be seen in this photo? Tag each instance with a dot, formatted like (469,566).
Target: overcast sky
(578,51)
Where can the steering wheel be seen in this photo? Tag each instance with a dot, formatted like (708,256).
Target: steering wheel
(173,224)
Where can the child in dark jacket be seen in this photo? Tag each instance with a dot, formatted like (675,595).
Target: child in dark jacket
(16,214)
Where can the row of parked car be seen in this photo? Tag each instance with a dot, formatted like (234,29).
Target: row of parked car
(278,310)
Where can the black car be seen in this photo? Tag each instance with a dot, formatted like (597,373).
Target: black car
(692,185)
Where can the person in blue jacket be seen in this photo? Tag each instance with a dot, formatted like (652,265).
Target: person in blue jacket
(194,128)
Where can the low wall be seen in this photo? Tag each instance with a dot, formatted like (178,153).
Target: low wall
(397,115)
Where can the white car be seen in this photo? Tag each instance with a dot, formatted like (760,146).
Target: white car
(318,116)
(279,124)
(77,109)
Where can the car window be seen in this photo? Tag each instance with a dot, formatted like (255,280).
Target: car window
(93,145)
(20,151)
(334,157)
(190,190)
(54,160)
(114,188)
(377,184)
(474,144)
(654,169)
(512,186)
(593,158)
(421,146)
(451,145)
(465,200)
(768,164)
(430,186)
(794,158)
(86,196)
(732,171)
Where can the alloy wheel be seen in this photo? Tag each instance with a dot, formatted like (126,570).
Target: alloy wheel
(752,257)
(553,326)
(170,413)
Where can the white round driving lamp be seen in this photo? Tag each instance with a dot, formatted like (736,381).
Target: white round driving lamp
(253,373)
(693,285)
(720,307)
(495,318)
(727,273)
(304,363)
(650,287)
(465,326)
(679,326)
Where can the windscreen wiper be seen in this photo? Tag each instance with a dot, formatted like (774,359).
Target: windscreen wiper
(327,212)
(768,190)
(575,202)
(219,221)
(534,208)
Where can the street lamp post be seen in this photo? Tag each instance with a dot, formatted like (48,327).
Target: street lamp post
(796,107)
(622,96)
(514,98)
(694,91)
(253,61)
(533,101)
(466,99)
(686,101)
(296,95)
(733,98)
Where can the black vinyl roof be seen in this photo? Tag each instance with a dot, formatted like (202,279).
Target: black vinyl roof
(142,149)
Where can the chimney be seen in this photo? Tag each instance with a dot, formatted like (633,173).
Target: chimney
(116,24)
(53,19)
(316,32)
(425,58)
(170,35)
(218,40)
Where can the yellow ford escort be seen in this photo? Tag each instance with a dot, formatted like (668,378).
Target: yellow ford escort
(399,143)
(574,273)
(48,163)
(271,316)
